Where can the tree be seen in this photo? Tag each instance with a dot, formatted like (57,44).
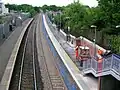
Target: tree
(24,8)
(105,16)
(51,8)
(111,9)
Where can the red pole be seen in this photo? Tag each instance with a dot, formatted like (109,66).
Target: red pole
(76,53)
(100,71)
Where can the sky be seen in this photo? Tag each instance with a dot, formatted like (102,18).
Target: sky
(90,3)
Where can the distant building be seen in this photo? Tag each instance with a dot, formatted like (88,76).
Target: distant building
(3,9)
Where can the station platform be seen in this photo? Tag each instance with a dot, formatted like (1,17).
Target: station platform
(8,45)
(89,80)
(66,51)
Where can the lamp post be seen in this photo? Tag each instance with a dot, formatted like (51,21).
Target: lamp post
(118,26)
(67,18)
(93,26)
(68,28)
(82,41)
(99,64)
(60,18)
(68,33)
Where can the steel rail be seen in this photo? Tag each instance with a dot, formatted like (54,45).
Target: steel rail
(23,57)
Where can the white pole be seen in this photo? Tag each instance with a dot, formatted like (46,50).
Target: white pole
(60,20)
(95,44)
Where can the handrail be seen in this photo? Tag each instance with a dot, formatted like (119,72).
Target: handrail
(110,65)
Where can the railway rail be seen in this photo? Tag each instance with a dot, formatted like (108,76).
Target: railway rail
(49,71)
(35,68)
(26,74)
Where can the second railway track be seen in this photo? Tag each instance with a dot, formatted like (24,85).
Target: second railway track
(49,71)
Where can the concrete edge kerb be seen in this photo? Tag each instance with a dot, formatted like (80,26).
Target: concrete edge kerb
(5,82)
(64,56)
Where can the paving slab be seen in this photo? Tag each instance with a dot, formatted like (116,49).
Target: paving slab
(89,80)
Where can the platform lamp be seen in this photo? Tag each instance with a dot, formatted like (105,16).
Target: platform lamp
(99,79)
(68,28)
(118,26)
(93,26)
(60,17)
(82,40)
(68,33)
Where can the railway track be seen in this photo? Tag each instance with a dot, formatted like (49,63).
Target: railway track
(26,74)
(36,69)
(51,76)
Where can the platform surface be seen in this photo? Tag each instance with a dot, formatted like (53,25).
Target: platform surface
(7,47)
(87,81)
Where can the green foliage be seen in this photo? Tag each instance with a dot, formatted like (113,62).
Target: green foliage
(24,8)
(80,18)
(111,9)
(115,43)
(50,8)
(37,9)
(105,16)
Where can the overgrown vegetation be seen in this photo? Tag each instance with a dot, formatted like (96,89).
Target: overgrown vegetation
(24,8)
(50,8)
(106,16)
(32,10)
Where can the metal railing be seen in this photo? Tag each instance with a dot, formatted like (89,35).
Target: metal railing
(109,65)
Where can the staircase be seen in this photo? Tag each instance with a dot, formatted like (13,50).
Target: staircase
(109,66)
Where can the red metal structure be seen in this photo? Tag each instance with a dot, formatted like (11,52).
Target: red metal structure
(82,52)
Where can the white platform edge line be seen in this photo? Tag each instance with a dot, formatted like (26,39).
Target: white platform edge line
(61,49)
